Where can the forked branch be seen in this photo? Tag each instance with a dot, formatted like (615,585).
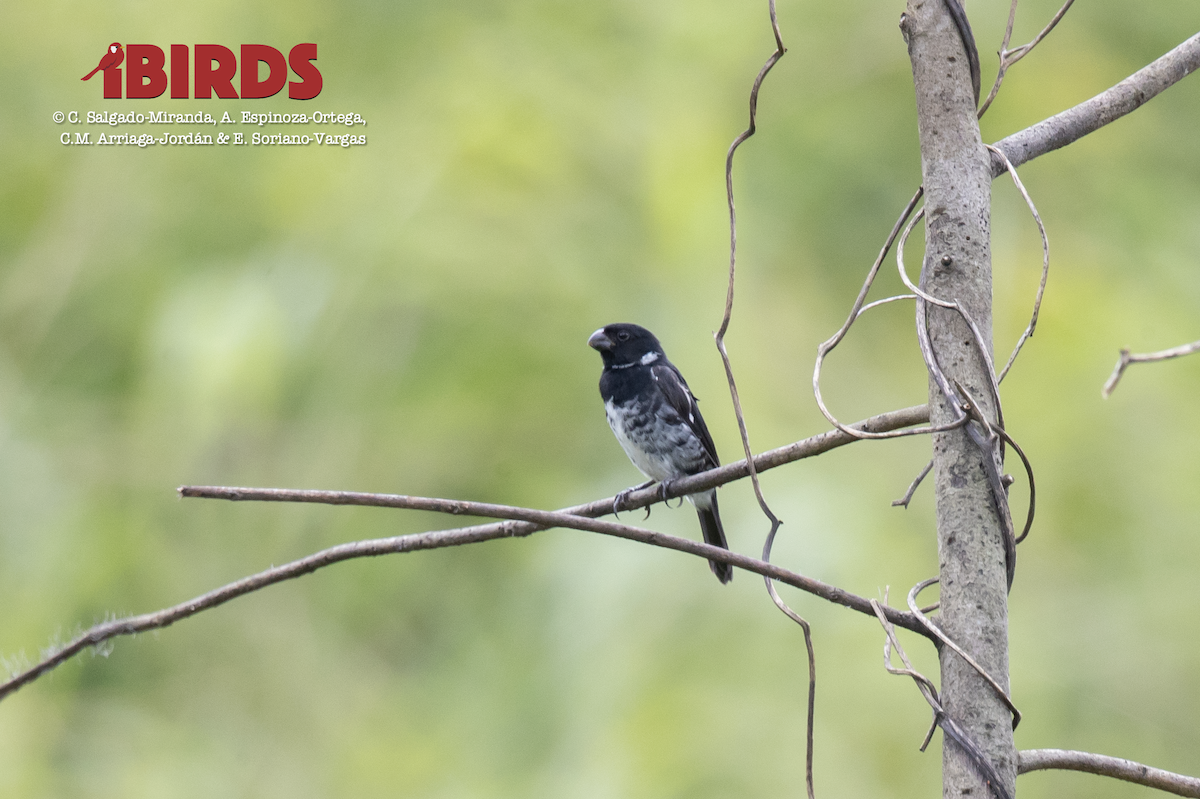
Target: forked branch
(1010,57)
(1149,357)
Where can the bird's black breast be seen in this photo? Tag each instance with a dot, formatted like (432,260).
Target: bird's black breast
(623,385)
(662,440)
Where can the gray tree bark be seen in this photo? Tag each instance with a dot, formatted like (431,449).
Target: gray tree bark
(956,172)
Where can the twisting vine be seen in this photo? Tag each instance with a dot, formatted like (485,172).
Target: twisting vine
(737,404)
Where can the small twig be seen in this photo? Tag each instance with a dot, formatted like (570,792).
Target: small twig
(1010,57)
(945,639)
(1023,50)
(1037,759)
(912,488)
(1003,69)
(1127,358)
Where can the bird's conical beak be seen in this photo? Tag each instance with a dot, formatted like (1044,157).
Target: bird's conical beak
(599,341)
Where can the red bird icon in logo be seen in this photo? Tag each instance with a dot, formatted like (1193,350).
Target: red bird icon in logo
(112,58)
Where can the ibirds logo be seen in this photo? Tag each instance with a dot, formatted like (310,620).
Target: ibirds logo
(212,70)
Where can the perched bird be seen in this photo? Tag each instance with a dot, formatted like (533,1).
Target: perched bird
(656,420)
(112,58)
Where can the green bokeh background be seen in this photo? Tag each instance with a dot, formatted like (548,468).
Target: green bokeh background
(410,316)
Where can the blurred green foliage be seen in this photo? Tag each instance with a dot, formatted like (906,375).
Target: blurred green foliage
(410,316)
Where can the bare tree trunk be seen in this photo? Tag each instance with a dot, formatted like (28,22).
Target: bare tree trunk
(955,169)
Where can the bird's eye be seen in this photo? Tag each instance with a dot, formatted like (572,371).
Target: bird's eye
(622,336)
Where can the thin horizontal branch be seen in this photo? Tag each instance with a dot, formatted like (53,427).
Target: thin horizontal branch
(1105,766)
(1075,123)
(1127,358)
(519,522)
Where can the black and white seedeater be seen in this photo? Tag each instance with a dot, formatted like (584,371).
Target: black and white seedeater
(652,412)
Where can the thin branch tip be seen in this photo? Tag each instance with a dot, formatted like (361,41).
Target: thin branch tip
(1127,359)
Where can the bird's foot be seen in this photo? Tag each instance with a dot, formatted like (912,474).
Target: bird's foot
(620,499)
(663,489)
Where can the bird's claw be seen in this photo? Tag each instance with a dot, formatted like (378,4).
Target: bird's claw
(620,499)
(664,488)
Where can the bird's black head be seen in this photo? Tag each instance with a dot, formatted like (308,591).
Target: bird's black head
(624,345)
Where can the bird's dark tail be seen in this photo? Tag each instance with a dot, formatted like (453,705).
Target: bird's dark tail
(90,74)
(714,534)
